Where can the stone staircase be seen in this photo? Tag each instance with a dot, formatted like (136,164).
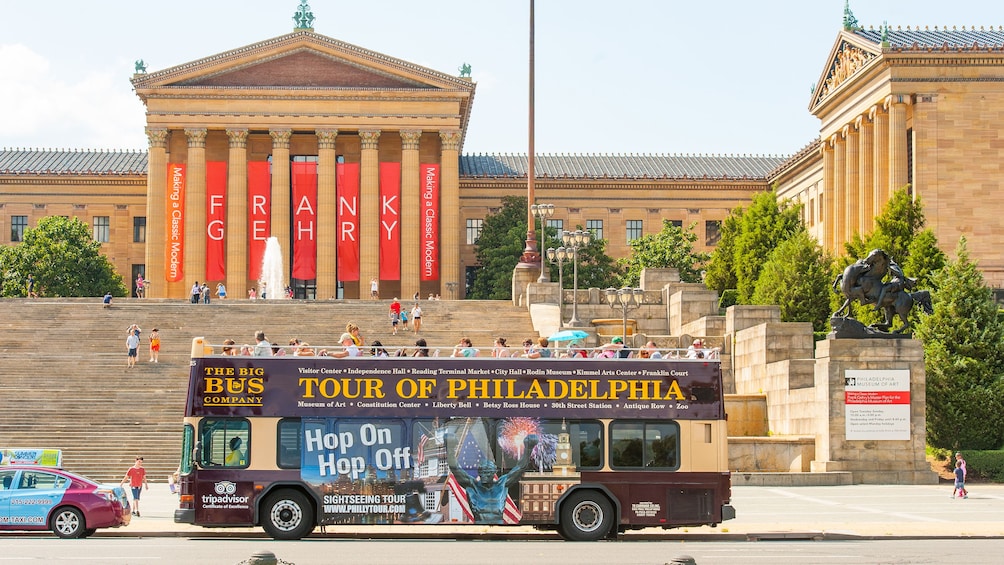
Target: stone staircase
(64,382)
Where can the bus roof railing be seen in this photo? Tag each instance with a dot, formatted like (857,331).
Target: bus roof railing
(202,348)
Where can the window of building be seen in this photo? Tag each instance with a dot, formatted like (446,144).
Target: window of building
(556,224)
(139,230)
(634,228)
(102,228)
(595,227)
(712,232)
(474,227)
(17,226)
(677,223)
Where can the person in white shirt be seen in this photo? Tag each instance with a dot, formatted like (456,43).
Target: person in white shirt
(349,345)
(416,317)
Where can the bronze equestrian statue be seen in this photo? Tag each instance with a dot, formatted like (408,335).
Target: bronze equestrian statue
(863,281)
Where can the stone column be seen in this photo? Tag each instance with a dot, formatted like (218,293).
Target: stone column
(327,226)
(237,213)
(449,206)
(898,159)
(881,159)
(851,184)
(156,216)
(369,210)
(839,192)
(828,217)
(195,207)
(410,206)
(279,220)
(866,177)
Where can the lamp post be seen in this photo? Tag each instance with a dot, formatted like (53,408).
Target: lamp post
(542,211)
(559,255)
(575,241)
(625,299)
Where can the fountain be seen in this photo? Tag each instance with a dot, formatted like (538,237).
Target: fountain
(272,284)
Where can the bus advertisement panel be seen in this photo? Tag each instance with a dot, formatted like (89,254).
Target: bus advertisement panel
(429,387)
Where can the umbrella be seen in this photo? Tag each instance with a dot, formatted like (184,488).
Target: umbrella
(568,335)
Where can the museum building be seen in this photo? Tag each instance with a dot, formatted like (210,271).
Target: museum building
(353,161)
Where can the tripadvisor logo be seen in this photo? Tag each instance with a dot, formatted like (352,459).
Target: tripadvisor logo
(225,497)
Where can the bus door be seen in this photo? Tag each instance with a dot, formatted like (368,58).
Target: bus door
(223,492)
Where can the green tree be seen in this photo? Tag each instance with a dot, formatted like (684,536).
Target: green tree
(796,277)
(899,230)
(498,249)
(671,247)
(761,229)
(65,261)
(901,219)
(964,359)
(720,274)
(596,268)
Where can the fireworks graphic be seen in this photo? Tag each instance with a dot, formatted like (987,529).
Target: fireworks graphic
(512,432)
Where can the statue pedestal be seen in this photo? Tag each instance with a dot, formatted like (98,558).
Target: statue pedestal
(522,275)
(872,417)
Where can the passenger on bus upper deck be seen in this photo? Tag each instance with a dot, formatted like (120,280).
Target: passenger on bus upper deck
(650,351)
(613,349)
(349,345)
(464,349)
(539,351)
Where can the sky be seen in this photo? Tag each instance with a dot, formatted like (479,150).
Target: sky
(725,77)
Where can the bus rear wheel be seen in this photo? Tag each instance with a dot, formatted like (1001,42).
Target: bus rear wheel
(586,516)
(287,514)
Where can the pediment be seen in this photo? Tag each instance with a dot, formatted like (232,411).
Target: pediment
(304,68)
(298,60)
(847,58)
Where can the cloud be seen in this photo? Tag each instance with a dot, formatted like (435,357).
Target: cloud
(40,109)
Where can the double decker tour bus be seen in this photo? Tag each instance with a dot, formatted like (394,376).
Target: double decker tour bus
(587,447)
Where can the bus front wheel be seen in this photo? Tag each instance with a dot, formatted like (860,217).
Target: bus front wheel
(586,516)
(287,514)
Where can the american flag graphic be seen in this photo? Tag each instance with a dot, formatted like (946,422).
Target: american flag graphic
(469,457)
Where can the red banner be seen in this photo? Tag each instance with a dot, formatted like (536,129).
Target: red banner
(259,193)
(175,218)
(347,190)
(305,220)
(429,239)
(390,221)
(216,221)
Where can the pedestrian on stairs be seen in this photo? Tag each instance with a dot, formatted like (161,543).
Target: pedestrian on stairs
(155,346)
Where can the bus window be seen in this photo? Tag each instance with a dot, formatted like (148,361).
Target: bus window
(187,439)
(225,442)
(645,444)
(288,448)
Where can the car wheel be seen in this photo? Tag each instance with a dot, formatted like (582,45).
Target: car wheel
(586,516)
(68,523)
(287,514)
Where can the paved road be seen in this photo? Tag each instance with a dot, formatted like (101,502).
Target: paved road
(856,511)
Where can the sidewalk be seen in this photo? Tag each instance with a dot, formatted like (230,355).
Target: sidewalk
(833,512)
